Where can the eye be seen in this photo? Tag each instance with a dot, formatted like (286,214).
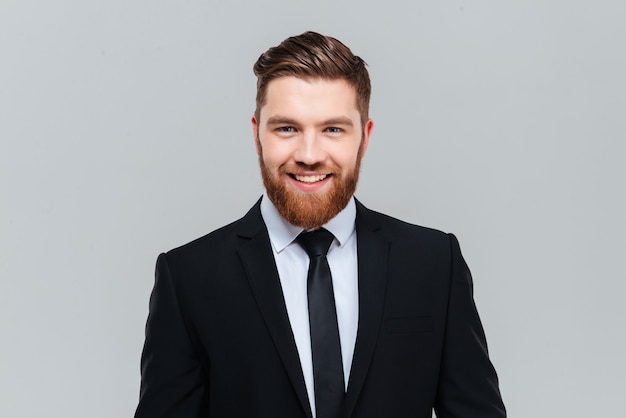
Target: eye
(334,130)
(285,129)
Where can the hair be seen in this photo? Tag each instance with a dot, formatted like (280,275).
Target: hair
(313,56)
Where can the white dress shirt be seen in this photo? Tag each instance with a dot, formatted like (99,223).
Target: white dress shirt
(292,263)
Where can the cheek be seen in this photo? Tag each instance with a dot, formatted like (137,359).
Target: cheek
(271,158)
(274,156)
(347,157)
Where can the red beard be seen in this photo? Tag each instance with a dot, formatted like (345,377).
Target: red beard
(309,210)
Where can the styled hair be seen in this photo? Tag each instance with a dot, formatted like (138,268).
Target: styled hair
(313,56)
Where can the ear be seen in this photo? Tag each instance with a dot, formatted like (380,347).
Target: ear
(255,133)
(367,132)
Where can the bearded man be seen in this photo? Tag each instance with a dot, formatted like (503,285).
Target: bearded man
(312,305)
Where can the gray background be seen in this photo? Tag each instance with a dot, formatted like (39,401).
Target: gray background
(124,132)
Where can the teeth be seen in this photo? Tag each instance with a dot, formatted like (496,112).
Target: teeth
(311,179)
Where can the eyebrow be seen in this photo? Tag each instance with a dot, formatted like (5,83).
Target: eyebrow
(340,120)
(283,120)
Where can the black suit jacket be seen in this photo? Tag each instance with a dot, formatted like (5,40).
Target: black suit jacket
(219,343)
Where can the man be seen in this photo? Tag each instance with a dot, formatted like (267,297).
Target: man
(252,321)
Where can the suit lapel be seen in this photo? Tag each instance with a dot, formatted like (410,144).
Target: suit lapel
(372,252)
(258,260)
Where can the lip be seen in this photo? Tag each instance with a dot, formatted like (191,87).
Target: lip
(309,187)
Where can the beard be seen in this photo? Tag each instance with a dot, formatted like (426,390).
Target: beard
(309,210)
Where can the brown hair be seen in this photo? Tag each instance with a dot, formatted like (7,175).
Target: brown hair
(312,55)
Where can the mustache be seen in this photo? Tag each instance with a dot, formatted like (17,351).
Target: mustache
(301,169)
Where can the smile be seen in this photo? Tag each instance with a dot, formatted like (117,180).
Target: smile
(310,179)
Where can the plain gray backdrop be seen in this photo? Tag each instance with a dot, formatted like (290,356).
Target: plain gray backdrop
(124,132)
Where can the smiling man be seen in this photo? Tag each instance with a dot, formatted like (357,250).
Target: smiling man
(312,305)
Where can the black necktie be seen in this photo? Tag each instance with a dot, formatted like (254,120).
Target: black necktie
(325,346)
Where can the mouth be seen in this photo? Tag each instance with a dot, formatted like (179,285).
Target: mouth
(310,179)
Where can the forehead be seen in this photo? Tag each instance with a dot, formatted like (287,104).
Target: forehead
(309,97)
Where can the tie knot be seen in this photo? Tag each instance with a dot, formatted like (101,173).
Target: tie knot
(316,243)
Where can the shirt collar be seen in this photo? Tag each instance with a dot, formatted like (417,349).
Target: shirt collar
(282,233)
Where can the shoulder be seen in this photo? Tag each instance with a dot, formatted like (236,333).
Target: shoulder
(222,240)
(394,227)
(407,238)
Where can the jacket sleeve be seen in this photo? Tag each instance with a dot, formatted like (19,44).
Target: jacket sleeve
(468,384)
(173,382)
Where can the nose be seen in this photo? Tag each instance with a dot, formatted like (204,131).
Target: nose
(310,149)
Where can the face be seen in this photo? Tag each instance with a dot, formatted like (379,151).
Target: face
(310,142)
